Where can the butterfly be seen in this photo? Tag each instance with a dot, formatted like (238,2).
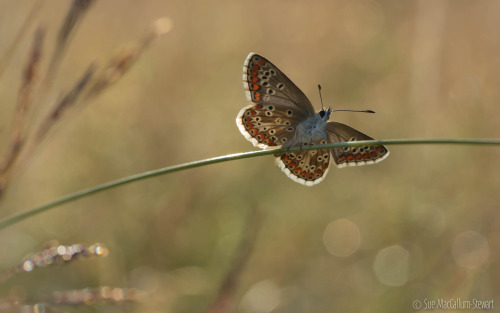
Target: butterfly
(281,116)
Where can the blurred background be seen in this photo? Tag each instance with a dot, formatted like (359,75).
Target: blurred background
(240,236)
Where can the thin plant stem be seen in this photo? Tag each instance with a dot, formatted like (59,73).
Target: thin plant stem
(230,157)
(75,14)
(23,105)
(20,35)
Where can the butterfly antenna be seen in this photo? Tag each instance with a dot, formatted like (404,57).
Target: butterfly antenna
(359,111)
(322,107)
(320,97)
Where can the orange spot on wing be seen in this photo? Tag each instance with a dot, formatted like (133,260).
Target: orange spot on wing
(258,106)
(292,165)
(256,67)
(262,62)
(254,87)
(319,172)
(254,73)
(373,154)
(358,156)
(253,131)
(341,159)
(261,137)
(252,112)
(378,149)
(285,159)
(311,175)
(254,79)
(303,174)
(350,157)
(325,166)
(249,125)
(366,156)
(297,170)
(257,96)
(270,142)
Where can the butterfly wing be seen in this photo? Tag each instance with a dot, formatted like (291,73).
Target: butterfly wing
(268,125)
(264,83)
(278,105)
(353,156)
(305,167)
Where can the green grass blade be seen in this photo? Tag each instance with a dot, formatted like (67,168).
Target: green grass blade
(230,157)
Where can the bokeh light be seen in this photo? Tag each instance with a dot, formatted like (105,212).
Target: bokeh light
(470,249)
(392,266)
(342,237)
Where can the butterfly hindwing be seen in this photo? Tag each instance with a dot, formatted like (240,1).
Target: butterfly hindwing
(353,156)
(307,167)
(268,125)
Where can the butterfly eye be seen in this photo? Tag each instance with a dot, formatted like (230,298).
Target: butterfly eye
(322,113)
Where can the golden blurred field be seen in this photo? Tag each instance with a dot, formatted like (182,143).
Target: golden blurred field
(240,236)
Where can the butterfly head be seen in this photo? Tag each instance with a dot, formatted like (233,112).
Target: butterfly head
(325,114)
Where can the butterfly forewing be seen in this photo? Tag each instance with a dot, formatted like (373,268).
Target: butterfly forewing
(265,84)
(353,156)
(278,104)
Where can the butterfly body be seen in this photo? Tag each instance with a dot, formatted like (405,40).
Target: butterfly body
(312,129)
(282,116)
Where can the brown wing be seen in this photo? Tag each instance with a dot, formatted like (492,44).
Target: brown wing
(265,83)
(305,167)
(268,125)
(353,156)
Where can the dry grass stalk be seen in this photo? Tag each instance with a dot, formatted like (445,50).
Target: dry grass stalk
(23,104)
(122,62)
(22,32)
(52,255)
(91,296)
(69,100)
(75,14)
(224,301)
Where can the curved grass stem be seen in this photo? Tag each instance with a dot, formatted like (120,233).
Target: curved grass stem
(230,157)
